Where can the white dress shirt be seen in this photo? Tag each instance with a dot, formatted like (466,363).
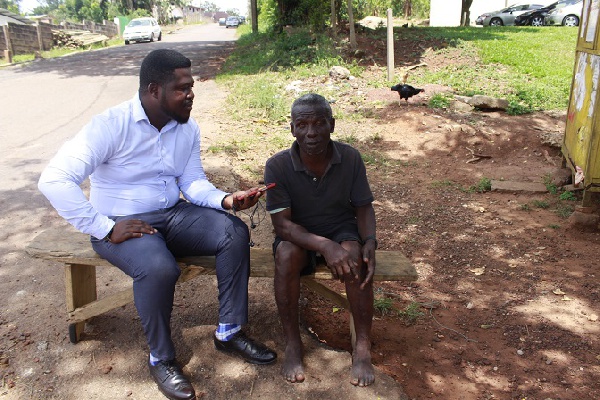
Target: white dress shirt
(133,168)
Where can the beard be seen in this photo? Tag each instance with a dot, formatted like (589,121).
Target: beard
(180,117)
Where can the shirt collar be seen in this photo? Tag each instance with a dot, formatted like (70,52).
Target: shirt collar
(139,114)
(336,156)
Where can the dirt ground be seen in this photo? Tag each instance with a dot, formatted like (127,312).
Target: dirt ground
(505,307)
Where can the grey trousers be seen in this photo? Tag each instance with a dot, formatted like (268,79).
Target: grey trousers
(183,230)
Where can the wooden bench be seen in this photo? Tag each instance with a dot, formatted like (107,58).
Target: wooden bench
(75,252)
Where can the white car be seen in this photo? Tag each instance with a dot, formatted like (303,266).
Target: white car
(140,29)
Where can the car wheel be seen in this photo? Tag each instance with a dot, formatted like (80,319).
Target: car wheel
(152,37)
(571,20)
(160,36)
(127,42)
(537,21)
(496,22)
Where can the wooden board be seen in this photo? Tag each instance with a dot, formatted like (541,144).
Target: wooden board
(75,248)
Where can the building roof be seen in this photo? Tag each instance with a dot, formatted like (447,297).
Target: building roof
(7,16)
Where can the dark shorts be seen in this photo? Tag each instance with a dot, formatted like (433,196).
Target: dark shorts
(346,233)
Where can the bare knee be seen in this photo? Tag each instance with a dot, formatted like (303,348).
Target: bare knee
(290,259)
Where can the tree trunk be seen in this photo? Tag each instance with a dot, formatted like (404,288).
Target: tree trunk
(407,9)
(465,14)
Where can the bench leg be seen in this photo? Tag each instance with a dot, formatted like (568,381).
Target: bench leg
(337,298)
(80,289)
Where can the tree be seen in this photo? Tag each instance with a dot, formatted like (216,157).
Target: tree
(465,14)
(10,5)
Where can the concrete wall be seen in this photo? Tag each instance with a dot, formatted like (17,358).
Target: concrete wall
(445,12)
(27,39)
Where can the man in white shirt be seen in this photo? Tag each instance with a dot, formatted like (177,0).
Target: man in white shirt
(140,156)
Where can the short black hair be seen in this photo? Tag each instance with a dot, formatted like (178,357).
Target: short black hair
(315,100)
(159,67)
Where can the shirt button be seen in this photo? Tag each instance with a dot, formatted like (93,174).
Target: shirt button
(314,179)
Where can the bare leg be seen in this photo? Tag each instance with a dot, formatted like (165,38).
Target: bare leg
(361,307)
(289,261)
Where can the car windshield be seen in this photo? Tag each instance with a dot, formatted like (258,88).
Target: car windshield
(143,22)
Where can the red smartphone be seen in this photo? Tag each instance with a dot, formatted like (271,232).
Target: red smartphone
(261,189)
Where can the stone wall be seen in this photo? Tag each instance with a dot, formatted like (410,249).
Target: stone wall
(27,39)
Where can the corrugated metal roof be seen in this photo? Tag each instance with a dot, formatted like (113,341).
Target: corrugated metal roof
(7,16)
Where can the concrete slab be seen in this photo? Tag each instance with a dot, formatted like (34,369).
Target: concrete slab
(510,186)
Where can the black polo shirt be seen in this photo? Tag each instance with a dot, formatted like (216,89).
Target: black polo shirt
(320,205)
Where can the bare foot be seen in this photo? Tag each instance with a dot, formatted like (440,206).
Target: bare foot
(292,368)
(363,373)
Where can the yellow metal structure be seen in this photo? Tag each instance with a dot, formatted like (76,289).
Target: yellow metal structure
(582,136)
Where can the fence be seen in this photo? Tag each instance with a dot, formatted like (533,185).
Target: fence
(27,39)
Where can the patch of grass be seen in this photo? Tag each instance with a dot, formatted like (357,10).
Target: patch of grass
(554,226)
(551,187)
(569,196)
(383,305)
(530,67)
(564,211)
(411,313)
(484,185)
(540,204)
(525,207)
(443,183)
(439,100)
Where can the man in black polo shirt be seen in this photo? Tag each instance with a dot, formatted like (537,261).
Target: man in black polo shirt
(322,206)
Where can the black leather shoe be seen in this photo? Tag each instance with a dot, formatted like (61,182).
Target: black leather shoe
(250,350)
(171,381)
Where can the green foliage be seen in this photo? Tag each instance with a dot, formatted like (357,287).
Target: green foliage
(439,100)
(540,204)
(384,305)
(268,51)
(10,5)
(550,186)
(564,211)
(570,196)
(532,68)
(484,185)
(411,313)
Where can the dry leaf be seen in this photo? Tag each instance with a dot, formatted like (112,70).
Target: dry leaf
(478,271)
(566,298)
(558,292)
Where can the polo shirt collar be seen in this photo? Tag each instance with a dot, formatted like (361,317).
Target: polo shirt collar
(336,156)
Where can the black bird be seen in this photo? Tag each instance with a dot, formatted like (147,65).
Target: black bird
(405,91)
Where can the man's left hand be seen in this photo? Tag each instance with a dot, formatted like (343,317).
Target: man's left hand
(368,255)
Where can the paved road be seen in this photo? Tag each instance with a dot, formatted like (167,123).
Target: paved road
(47,101)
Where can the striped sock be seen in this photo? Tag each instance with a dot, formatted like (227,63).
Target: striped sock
(153,360)
(225,332)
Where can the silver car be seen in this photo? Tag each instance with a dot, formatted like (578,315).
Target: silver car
(568,15)
(505,16)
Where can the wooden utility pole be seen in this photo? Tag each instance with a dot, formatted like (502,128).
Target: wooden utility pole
(390,45)
(353,44)
(254,16)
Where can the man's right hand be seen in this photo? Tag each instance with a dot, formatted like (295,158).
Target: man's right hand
(340,261)
(130,229)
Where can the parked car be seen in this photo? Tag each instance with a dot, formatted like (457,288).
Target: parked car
(506,16)
(568,15)
(222,21)
(535,17)
(232,21)
(141,29)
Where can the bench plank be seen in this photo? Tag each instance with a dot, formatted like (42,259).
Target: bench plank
(73,249)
